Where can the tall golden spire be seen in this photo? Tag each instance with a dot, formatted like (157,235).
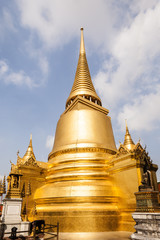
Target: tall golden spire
(128,142)
(29,153)
(83,85)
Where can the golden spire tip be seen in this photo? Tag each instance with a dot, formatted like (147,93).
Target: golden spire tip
(126,123)
(127,131)
(30,142)
(82,48)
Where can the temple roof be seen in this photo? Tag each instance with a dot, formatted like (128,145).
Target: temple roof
(83,85)
(29,158)
(128,142)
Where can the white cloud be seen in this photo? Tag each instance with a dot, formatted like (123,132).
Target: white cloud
(143,113)
(132,72)
(142,5)
(38,55)
(49,142)
(128,32)
(56,22)
(3,68)
(17,78)
(7,23)
(43,63)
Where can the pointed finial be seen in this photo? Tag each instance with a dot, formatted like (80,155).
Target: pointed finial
(82,48)
(30,143)
(126,122)
(127,131)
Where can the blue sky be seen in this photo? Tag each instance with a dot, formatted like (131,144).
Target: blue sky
(39,47)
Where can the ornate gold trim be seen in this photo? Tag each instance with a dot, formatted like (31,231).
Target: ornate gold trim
(79,150)
(59,200)
(80,177)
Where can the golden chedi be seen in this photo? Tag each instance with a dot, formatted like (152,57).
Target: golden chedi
(79,192)
(87,184)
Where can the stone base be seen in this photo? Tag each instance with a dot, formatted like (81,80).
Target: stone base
(11,212)
(11,217)
(147,226)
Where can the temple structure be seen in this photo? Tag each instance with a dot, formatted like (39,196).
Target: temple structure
(87,184)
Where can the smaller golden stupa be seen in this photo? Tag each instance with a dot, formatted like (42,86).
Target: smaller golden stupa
(87,184)
(128,142)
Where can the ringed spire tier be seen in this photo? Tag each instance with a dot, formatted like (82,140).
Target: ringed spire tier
(83,85)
